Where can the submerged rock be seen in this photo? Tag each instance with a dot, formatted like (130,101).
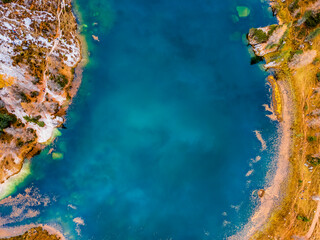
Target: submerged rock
(243,11)
(261,193)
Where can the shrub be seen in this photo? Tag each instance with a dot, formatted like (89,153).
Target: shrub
(34,94)
(259,35)
(311,138)
(312,19)
(31,56)
(256,59)
(272,29)
(41,123)
(60,79)
(315,61)
(34,120)
(6,120)
(20,142)
(293,6)
(24,97)
(314,161)
(303,218)
(36,80)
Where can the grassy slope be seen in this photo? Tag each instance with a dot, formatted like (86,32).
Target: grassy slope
(35,234)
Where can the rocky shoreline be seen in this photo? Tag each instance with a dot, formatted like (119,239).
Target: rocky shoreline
(39,51)
(40,72)
(290,50)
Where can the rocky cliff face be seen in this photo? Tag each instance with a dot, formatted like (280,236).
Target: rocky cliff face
(39,50)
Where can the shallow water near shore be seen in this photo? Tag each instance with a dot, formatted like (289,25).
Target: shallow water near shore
(161,134)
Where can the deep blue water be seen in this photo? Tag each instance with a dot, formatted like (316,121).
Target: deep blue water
(160,136)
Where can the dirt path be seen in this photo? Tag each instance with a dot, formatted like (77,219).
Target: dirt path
(315,218)
(44,88)
(56,40)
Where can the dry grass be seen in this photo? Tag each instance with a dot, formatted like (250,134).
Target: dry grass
(295,214)
(35,234)
(6,81)
(276,97)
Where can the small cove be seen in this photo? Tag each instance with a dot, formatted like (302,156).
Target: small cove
(160,137)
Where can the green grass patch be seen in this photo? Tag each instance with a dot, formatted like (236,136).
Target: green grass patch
(303,218)
(34,120)
(311,138)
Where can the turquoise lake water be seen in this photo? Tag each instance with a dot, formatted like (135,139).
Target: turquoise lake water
(159,138)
